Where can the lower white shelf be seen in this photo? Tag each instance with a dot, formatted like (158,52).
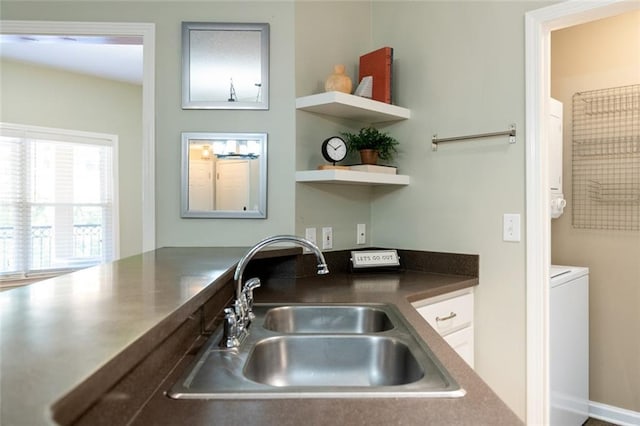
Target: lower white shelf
(350,177)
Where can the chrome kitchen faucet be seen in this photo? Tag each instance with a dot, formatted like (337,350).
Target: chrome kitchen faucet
(238,317)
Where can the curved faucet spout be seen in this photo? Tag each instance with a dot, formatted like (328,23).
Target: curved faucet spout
(239,316)
(322,264)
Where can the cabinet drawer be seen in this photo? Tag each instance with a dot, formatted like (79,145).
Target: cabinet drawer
(449,315)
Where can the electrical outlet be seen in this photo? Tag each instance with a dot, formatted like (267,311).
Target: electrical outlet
(327,238)
(511,227)
(310,234)
(361,233)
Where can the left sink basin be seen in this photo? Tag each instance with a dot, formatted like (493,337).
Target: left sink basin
(332,361)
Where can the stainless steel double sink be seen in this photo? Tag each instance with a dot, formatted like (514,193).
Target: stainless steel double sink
(319,350)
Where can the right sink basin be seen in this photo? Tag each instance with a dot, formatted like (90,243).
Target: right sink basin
(327,319)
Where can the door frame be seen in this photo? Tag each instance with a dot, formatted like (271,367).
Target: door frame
(147,32)
(538,26)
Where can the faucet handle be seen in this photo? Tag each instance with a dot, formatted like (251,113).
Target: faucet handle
(247,291)
(230,328)
(251,285)
(240,308)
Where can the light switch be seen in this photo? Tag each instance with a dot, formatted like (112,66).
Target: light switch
(511,227)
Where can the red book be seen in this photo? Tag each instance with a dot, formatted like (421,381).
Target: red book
(378,65)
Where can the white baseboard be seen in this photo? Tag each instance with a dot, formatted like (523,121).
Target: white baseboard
(615,415)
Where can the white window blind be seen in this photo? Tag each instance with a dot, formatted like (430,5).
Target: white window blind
(57,199)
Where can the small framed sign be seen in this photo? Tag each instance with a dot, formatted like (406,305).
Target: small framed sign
(375,258)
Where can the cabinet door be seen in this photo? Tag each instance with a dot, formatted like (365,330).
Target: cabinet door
(462,342)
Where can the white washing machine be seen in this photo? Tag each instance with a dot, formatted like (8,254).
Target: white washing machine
(569,345)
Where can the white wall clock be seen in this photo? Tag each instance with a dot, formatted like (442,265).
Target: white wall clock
(334,149)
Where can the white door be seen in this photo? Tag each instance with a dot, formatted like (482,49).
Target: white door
(200,185)
(232,185)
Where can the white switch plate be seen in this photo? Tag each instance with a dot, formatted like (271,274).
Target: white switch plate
(310,234)
(361,233)
(511,227)
(327,238)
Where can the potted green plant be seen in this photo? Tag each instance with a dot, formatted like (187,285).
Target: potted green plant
(372,144)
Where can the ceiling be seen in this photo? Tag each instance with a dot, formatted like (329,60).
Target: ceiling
(115,58)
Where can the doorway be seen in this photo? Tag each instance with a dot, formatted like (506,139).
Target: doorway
(146,32)
(538,26)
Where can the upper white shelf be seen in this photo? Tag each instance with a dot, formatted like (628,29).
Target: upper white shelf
(353,107)
(350,177)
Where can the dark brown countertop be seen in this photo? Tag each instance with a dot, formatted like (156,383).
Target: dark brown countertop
(58,333)
(480,406)
(77,335)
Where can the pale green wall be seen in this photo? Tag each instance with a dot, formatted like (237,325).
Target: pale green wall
(459,67)
(171,120)
(46,97)
(612,256)
(328,33)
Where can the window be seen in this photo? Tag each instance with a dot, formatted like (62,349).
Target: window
(58,198)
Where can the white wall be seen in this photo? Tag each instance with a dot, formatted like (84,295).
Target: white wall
(46,97)
(599,55)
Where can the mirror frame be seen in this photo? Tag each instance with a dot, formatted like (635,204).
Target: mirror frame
(187,27)
(261,213)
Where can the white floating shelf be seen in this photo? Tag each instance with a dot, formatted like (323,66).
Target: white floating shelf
(353,107)
(350,177)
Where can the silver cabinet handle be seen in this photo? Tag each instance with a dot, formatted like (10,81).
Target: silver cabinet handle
(448,317)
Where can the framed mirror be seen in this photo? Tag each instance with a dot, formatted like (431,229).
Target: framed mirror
(224,175)
(225,65)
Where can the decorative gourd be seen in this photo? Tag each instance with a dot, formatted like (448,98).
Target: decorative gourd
(338,81)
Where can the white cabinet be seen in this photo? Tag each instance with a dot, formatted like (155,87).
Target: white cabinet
(451,315)
(462,342)
(356,108)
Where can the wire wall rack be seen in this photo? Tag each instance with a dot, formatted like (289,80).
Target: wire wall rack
(606,159)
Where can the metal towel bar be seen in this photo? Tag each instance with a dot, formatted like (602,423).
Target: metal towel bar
(511,133)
